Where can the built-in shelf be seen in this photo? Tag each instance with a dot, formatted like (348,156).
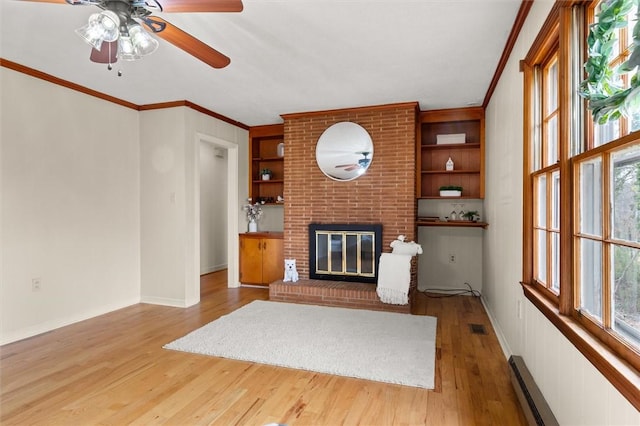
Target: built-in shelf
(458,223)
(468,157)
(437,197)
(269,181)
(267,158)
(263,145)
(450,172)
(456,146)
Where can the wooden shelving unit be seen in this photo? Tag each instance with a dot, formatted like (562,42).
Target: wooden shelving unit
(460,223)
(263,153)
(468,157)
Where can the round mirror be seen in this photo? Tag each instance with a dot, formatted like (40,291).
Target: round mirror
(344,151)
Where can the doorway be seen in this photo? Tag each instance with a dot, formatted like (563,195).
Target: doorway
(213,208)
(216,207)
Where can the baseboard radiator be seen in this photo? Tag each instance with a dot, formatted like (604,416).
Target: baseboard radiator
(535,407)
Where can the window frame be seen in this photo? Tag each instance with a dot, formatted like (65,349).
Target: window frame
(534,106)
(618,362)
(541,166)
(608,241)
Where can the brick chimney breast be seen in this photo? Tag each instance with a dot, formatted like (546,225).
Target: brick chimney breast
(384,194)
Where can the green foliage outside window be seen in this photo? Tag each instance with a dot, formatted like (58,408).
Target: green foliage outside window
(626,284)
(603,87)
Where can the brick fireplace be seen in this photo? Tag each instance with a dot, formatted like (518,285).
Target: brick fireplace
(385,194)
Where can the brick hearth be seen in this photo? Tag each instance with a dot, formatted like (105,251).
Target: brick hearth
(332,293)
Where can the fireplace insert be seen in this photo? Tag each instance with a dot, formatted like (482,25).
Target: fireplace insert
(345,252)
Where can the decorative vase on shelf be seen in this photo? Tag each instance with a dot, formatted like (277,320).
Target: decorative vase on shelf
(253,226)
(449,164)
(266,177)
(280,149)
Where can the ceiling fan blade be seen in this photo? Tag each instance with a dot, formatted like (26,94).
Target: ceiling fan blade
(189,43)
(201,5)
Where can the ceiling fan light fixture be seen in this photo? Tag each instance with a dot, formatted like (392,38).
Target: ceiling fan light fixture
(126,51)
(143,43)
(135,43)
(101,27)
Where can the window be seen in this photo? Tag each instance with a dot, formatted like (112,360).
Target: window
(607,205)
(581,253)
(545,174)
(610,299)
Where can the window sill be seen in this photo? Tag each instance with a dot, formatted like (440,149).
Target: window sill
(620,374)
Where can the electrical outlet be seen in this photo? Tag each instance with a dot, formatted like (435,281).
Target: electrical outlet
(452,258)
(36,284)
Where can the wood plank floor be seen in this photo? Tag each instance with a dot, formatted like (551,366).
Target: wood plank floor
(112,370)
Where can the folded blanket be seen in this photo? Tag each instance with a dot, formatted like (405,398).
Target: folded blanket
(400,246)
(394,277)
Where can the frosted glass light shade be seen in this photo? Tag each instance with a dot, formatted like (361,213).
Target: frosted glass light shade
(126,51)
(143,43)
(101,27)
(137,44)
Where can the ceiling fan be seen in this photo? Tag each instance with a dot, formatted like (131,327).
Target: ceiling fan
(116,33)
(361,164)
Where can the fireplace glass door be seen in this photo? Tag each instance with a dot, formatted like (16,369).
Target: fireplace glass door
(345,253)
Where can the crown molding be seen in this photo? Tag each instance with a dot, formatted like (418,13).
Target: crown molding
(350,110)
(82,89)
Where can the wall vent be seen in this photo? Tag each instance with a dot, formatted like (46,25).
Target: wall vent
(535,407)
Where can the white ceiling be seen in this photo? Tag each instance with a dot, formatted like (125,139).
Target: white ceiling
(287,56)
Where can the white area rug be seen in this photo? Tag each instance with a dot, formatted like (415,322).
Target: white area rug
(381,346)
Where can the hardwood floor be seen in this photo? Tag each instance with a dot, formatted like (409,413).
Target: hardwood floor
(112,370)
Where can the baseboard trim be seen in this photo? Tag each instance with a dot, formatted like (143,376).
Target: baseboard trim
(502,340)
(211,269)
(165,301)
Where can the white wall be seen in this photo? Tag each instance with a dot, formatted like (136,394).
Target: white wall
(213,208)
(577,393)
(272,219)
(162,200)
(170,200)
(99,203)
(435,269)
(70,206)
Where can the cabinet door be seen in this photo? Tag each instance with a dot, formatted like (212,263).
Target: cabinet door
(272,260)
(250,260)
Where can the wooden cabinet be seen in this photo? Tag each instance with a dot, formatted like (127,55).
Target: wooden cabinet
(263,154)
(261,257)
(468,157)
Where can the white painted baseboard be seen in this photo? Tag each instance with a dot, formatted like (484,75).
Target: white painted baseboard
(165,301)
(499,334)
(210,269)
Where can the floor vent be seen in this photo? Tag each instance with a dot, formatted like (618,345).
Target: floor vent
(477,329)
(535,408)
